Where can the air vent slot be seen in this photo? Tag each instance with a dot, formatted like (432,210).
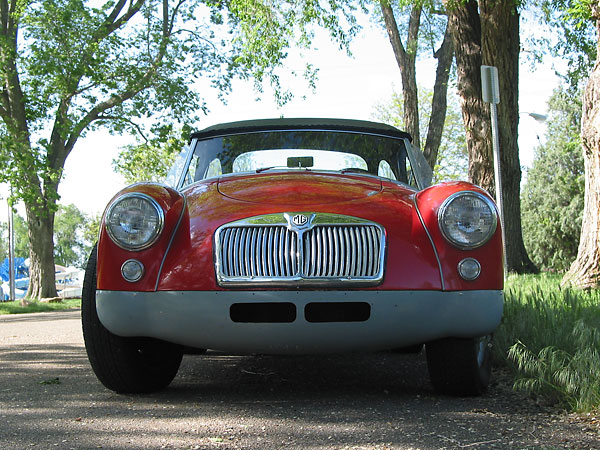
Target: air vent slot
(263,312)
(337,312)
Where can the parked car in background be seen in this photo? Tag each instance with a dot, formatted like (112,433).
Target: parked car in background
(295,236)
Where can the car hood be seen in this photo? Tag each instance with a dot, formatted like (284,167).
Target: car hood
(299,189)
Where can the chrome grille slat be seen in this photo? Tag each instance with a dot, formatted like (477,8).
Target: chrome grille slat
(320,253)
(253,271)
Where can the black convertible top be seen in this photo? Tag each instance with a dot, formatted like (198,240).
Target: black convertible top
(248,126)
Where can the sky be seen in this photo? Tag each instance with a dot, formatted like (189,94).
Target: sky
(347,87)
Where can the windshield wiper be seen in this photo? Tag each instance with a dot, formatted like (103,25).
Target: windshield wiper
(263,169)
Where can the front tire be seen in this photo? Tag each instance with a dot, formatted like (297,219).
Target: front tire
(124,364)
(460,366)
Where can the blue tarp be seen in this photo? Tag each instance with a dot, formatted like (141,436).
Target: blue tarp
(21,270)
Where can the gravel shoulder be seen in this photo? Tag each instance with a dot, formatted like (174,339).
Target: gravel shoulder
(49,398)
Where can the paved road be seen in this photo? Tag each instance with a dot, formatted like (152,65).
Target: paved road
(50,399)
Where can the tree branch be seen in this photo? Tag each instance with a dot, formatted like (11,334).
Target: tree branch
(445,56)
(414,24)
(392,29)
(112,23)
(137,127)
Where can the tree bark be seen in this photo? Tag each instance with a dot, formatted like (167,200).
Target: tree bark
(492,38)
(500,48)
(465,27)
(439,102)
(42,279)
(406,58)
(585,270)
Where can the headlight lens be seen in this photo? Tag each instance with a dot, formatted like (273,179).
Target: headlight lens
(134,221)
(467,219)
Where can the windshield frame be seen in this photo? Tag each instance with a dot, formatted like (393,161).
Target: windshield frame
(418,165)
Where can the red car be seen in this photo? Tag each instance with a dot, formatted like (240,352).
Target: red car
(295,236)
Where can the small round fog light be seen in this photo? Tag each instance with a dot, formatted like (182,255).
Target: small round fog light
(469,269)
(132,270)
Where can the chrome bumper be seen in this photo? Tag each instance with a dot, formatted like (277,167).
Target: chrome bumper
(206,319)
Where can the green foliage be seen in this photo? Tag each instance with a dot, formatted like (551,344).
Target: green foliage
(90,232)
(70,66)
(266,30)
(573,36)
(432,24)
(70,245)
(552,197)
(20,235)
(549,336)
(16,307)
(151,160)
(453,158)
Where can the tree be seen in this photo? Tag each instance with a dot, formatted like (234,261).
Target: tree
(68,66)
(406,56)
(69,244)
(452,159)
(487,33)
(152,159)
(20,235)
(552,198)
(585,270)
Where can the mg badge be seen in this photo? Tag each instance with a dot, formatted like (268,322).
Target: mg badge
(299,220)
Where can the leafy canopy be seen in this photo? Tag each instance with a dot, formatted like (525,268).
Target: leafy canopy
(573,36)
(453,159)
(552,198)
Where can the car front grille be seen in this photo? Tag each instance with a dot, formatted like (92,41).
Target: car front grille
(328,250)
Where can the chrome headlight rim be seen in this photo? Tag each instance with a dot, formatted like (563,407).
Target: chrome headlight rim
(160,218)
(446,204)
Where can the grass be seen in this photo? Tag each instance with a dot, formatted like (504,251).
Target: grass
(550,338)
(35,307)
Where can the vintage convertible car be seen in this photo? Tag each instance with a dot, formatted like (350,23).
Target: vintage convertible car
(295,236)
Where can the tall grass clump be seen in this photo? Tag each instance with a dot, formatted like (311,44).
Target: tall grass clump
(549,336)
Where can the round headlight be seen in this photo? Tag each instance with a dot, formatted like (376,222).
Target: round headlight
(134,221)
(467,219)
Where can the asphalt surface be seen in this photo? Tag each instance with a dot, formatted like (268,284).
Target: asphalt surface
(50,399)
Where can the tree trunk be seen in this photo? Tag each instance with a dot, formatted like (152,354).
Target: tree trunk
(500,48)
(465,26)
(439,102)
(585,270)
(42,280)
(405,58)
(492,38)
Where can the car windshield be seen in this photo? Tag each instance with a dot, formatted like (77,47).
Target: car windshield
(296,150)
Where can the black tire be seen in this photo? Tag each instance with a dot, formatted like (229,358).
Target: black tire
(124,364)
(460,366)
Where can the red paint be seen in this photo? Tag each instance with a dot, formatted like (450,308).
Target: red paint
(189,265)
(292,188)
(489,255)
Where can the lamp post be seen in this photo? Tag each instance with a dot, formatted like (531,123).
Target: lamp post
(490,90)
(11,253)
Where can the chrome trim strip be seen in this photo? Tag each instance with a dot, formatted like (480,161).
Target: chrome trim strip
(316,253)
(435,252)
(173,234)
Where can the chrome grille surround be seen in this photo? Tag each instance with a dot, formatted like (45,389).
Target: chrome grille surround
(300,249)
